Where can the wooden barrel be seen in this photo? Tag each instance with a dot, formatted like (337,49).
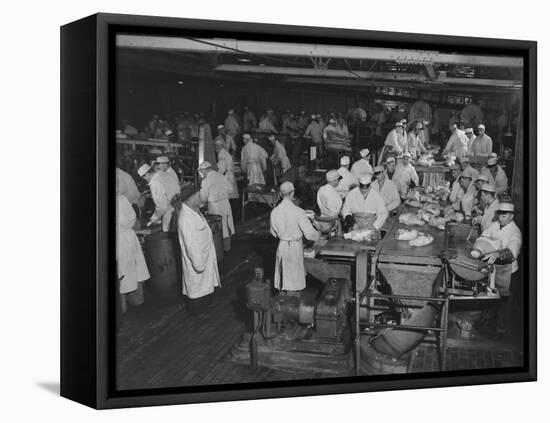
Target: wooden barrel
(162,255)
(215,223)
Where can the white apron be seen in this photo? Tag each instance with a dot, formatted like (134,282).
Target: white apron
(290,272)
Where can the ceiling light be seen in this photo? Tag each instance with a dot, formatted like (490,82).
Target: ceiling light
(244,59)
(180,82)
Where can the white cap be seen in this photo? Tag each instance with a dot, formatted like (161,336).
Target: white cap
(271,136)
(163,159)
(466,175)
(481,126)
(488,188)
(344,161)
(365,179)
(482,177)
(143,169)
(313,116)
(247,137)
(286,187)
(469,131)
(205,165)
(390,160)
(492,161)
(403,121)
(407,154)
(506,207)
(332,175)
(364,152)
(493,155)
(378,169)
(399,123)
(332,120)
(221,127)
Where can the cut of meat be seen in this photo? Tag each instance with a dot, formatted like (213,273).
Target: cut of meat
(406,234)
(410,219)
(421,240)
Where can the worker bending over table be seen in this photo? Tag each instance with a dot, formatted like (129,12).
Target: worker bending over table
(364,207)
(290,224)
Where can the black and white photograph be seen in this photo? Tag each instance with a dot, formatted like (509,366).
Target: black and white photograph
(300,211)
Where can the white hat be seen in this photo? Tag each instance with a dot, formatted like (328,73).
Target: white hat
(332,120)
(390,160)
(344,161)
(286,187)
(407,154)
(313,116)
(493,155)
(143,169)
(205,165)
(247,137)
(505,207)
(221,127)
(482,177)
(481,126)
(469,131)
(332,175)
(364,152)
(399,123)
(488,188)
(492,161)
(271,136)
(365,179)
(163,159)
(466,175)
(403,121)
(378,169)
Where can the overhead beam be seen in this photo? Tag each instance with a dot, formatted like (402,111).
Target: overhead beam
(219,45)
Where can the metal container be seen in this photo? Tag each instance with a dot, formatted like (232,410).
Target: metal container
(215,223)
(163,258)
(330,313)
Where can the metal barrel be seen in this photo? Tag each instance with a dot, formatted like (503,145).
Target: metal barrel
(215,223)
(162,256)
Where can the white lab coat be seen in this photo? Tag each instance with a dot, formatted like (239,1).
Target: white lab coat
(279,153)
(500,181)
(373,204)
(397,141)
(253,159)
(227,169)
(173,174)
(389,193)
(467,201)
(215,191)
(290,224)
(361,167)
(347,182)
(163,188)
(198,254)
(469,170)
(415,144)
(489,215)
(481,146)
(403,177)
(126,186)
(457,144)
(329,201)
(129,256)
(232,126)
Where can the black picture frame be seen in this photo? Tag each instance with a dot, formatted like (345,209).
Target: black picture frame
(87,234)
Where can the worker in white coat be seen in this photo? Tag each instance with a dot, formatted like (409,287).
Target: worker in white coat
(468,169)
(163,164)
(466,203)
(457,144)
(198,253)
(228,141)
(163,189)
(328,199)
(127,186)
(362,166)
(131,266)
(396,141)
(489,206)
(253,160)
(290,224)
(387,189)
(215,193)
(406,176)
(365,203)
(482,145)
(348,181)
(226,167)
(278,156)
(508,235)
(496,175)
(415,141)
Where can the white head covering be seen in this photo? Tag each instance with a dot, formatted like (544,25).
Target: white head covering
(143,169)
(407,154)
(205,165)
(163,159)
(378,169)
(488,188)
(364,152)
(286,187)
(506,207)
(481,126)
(332,175)
(344,161)
(221,127)
(492,161)
(365,179)
(469,130)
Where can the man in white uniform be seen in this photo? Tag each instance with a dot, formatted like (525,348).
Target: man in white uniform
(198,253)
(163,164)
(415,143)
(368,203)
(127,186)
(228,141)
(470,137)
(405,175)
(328,199)
(362,166)
(163,189)
(508,235)
(226,167)
(482,145)
(253,160)
(231,124)
(489,204)
(457,144)
(348,181)
(496,175)
(278,156)
(396,139)
(215,192)
(314,131)
(290,224)
(468,169)
(387,189)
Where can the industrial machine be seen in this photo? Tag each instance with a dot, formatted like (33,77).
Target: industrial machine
(309,332)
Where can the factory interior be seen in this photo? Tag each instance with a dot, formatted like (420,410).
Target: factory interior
(293,211)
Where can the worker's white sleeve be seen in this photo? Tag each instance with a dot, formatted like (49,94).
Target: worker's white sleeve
(307,228)
(271,228)
(381,214)
(514,244)
(395,199)
(160,199)
(335,203)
